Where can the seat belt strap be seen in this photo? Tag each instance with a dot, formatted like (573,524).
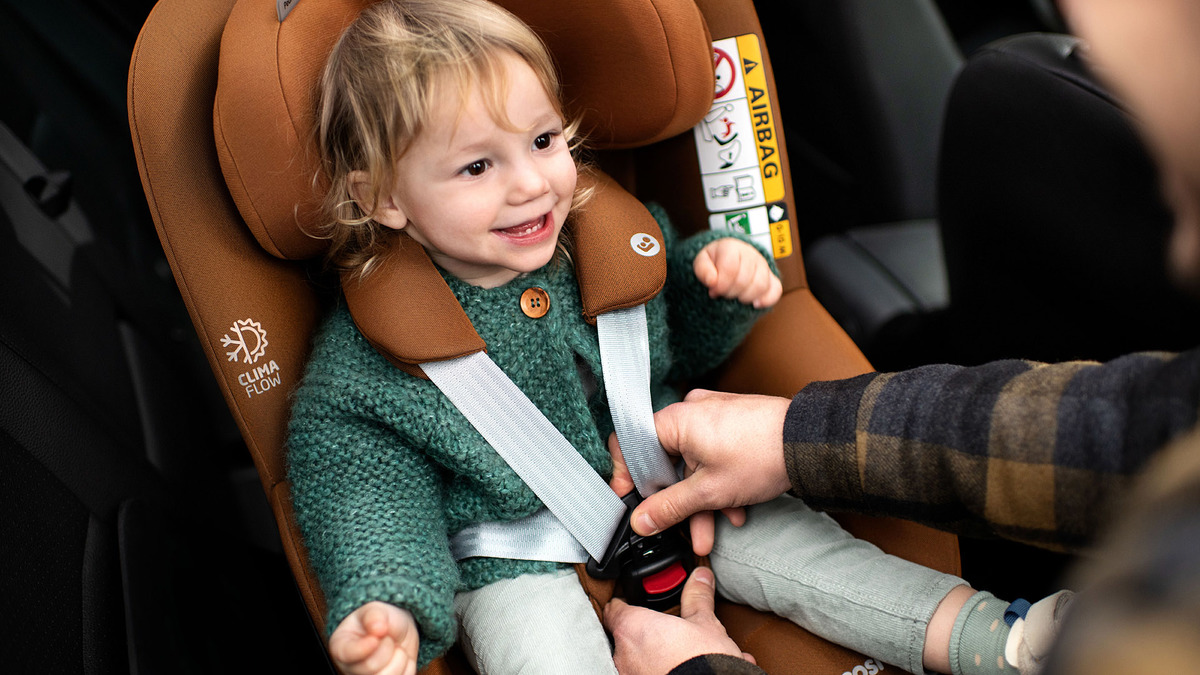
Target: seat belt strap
(583,512)
(532,446)
(540,536)
(625,359)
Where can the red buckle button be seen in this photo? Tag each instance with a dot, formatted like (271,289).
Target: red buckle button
(661,582)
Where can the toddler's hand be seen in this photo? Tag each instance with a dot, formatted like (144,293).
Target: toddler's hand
(376,638)
(731,268)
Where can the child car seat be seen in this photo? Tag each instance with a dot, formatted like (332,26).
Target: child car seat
(639,72)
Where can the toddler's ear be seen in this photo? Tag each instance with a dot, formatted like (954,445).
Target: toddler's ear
(386,211)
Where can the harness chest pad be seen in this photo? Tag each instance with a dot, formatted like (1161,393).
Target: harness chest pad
(409,314)
(616,264)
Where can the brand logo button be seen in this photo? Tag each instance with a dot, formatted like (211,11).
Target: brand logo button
(644,244)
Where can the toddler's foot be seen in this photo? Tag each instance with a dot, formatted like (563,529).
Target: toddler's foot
(1031,637)
(991,636)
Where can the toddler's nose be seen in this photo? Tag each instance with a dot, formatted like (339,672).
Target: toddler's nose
(529,183)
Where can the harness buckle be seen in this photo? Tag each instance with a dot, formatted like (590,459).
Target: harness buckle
(651,570)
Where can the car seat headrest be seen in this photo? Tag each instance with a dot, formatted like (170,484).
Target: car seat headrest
(635,72)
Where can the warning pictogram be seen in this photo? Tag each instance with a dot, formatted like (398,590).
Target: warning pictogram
(738,149)
(725,71)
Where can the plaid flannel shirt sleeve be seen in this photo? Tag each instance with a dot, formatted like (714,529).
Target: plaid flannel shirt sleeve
(716,664)
(1039,453)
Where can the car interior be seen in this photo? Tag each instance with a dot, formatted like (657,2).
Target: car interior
(959,186)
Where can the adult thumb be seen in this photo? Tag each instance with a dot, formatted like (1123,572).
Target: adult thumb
(667,507)
(698,600)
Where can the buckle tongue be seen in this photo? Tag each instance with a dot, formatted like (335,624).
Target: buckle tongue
(651,570)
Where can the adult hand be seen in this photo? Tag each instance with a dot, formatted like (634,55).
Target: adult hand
(701,524)
(647,641)
(732,447)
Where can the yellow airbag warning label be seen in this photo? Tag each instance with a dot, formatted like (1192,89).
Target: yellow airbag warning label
(738,150)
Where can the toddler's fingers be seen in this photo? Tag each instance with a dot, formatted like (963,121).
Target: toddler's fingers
(715,259)
(773,294)
(758,285)
(379,659)
(375,620)
(704,267)
(401,667)
(349,650)
(736,271)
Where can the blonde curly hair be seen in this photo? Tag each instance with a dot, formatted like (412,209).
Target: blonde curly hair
(377,91)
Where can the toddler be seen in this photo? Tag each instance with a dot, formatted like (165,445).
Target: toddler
(440,126)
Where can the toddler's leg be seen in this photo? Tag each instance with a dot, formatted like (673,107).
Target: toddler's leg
(801,565)
(536,623)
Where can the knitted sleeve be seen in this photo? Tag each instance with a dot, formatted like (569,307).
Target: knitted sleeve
(1028,451)
(369,508)
(704,330)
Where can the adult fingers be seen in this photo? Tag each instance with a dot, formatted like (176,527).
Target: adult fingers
(614,614)
(673,422)
(698,600)
(668,506)
(699,394)
(703,528)
(736,515)
(621,481)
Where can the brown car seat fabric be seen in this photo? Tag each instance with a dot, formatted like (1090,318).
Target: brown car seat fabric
(640,72)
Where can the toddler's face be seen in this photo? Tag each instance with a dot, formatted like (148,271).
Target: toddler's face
(487,203)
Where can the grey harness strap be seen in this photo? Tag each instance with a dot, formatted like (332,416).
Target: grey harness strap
(540,536)
(583,511)
(532,446)
(625,358)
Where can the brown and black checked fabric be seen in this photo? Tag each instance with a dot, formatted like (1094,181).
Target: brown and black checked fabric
(716,664)
(1039,453)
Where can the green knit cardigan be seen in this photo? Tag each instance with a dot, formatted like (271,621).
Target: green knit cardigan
(383,467)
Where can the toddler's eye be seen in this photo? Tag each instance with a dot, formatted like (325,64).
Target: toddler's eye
(475,168)
(545,140)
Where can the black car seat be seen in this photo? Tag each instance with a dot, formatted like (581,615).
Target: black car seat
(1053,223)
(251,290)
(863,96)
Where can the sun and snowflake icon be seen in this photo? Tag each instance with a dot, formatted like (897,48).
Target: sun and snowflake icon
(248,339)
